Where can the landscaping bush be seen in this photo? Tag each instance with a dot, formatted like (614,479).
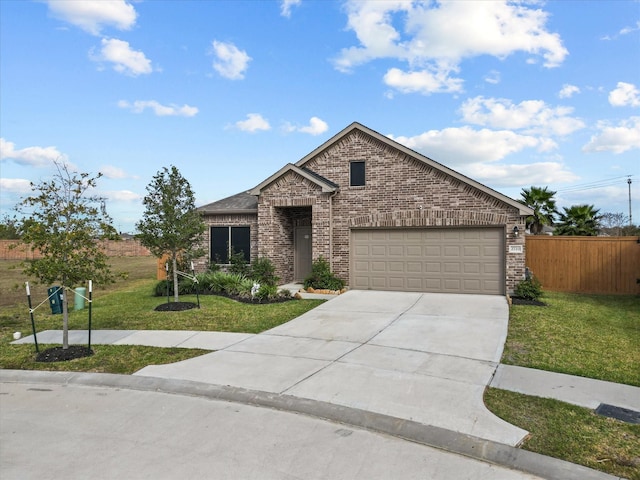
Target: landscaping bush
(321,277)
(238,264)
(529,289)
(234,284)
(264,272)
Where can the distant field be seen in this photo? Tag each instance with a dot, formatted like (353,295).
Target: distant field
(12,279)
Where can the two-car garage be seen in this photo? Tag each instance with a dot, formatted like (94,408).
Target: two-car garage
(444,260)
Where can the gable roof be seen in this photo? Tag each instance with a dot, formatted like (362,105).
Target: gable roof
(327,186)
(523,209)
(239,203)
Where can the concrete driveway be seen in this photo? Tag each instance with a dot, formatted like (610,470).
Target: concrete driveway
(416,356)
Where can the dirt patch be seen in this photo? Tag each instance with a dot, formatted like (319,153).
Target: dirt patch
(175,306)
(526,301)
(59,354)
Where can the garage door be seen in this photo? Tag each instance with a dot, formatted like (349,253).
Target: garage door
(451,260)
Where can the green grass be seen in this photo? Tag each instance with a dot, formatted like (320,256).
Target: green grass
(571,433)
(595,336)
(127,305)
(122,359)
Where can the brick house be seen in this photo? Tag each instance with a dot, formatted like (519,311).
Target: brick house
(383,215)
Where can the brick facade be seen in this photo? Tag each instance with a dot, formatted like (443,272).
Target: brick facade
(400,190)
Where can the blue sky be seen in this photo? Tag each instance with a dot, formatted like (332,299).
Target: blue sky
(511,94)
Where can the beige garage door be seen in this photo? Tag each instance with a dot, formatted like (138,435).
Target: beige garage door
(451,260)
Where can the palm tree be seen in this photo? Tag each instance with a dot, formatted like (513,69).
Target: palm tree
(544,207)
(579,220)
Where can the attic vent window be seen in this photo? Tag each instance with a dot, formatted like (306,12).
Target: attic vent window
(357,174)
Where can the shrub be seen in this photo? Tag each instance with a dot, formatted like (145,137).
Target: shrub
(264,272)
(530,289)
(212,282)
(234,283)
(238,264)
(266,292)
(321,277)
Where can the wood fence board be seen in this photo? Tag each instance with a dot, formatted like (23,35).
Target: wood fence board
(608,265)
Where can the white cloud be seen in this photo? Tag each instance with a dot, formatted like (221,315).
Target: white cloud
(456,147)
(114,173)
(423,81)
(160,110)
(253,123)
(15,185)
(437,36)
(492,77)
(539,173)
(625,95)
(628,30)
(122,196)
(287,5)
(568,91)
(531,116)
(124,59)
(231,62)
(93,15)
(623,31)
(316,127)
(617,139)
(32,156)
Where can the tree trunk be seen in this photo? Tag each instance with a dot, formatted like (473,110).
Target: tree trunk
(65,319)
(175,278)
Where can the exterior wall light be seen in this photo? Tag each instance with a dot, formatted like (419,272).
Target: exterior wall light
(516,231)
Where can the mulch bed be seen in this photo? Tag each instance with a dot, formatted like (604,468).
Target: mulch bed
(526,301)
(59,354)
(181,306)
(175,306)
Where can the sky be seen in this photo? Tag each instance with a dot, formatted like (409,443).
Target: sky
(512,94)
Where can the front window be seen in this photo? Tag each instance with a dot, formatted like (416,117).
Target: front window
(357,174)
(225,241)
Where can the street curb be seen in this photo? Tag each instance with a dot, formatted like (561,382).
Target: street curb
(450,441)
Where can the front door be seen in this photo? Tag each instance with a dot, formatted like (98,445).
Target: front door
(302,255)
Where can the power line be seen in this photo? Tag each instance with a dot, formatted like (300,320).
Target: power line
(594,185)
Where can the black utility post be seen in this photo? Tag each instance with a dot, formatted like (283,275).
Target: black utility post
(33,323)
(89,343)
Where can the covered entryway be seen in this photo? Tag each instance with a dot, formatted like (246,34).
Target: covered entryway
(444,260)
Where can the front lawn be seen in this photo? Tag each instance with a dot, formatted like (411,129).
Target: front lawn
(571,433)
(129,305)
(594,336)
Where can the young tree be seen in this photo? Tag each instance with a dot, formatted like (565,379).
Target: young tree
(578,220)
(66,223)
(544,207)
(171,225)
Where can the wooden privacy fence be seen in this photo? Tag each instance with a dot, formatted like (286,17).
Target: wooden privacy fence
(607,265)
(122,248)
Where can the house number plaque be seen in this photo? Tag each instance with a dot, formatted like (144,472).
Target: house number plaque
(516,249)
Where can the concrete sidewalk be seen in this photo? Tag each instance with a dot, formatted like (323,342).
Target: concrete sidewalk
(411,365)
(581,391)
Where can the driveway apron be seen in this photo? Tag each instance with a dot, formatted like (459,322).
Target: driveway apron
(417,356)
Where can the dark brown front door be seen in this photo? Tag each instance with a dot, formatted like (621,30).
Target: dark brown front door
(302,256)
